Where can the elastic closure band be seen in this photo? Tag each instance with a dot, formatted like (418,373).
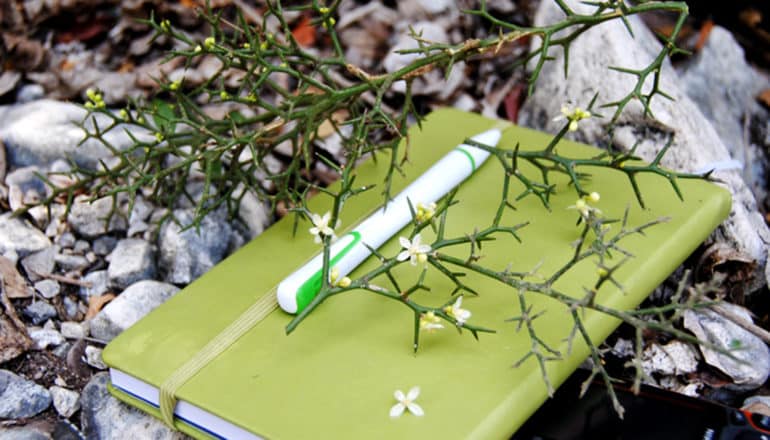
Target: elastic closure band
(254,314)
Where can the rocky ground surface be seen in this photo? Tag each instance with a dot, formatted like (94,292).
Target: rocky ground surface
(72,282)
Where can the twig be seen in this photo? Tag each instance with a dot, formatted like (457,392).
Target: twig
(65,280)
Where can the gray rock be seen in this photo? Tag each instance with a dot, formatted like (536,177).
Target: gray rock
(187,254)
(21,398)
(132,260)
(66,240)
(91,219)
(41,262)
(104,417)
(81,247)
(724,86)
(131,305)
(751,366)
(19,236)
(104,245)
(65,401)
(42,131)
(71,261)
(254,213)
(696,144)
(39,312)
(100,284)
(141,210)
(25,187)
(44,338)
(93,357)
(74,330)
(29,92)
(71,308)
(27,432)
(48,288)
(62,350)
(12,256)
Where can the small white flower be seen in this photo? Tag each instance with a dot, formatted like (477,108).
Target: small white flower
(321,226)
(406,402)
(459,314)
(573,116)
(414,250)
(430,322)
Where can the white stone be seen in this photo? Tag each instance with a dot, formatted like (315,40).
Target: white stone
(66,402)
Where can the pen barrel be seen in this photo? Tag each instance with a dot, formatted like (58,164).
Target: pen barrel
(295,292)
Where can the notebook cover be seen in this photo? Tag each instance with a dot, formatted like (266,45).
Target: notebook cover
(336,374)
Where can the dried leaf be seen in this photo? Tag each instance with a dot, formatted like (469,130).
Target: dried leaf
(764,98)
(326,128)
(703,35)
(8,81)
(14,285)
(96,303)
(304,32)
(14,339)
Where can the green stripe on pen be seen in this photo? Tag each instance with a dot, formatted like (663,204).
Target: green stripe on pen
(308,290)
(469,156)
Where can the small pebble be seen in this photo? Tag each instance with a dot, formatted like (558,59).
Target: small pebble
(44,338)
(104,245)
(71,262)
(94,357)
(66,240)
(74,330)
(41,262)
(99,284)
(39,312)
(48,288)
(66,402)
(71,308)
(81,247)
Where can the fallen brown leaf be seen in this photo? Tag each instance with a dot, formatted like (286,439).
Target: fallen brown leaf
(14,339)
(96,303)
(703,34)
(326,128)
(764,98)
(304,32)
(14,285)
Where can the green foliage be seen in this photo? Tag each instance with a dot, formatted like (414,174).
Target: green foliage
(282,96)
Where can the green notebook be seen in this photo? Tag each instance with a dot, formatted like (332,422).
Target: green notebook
(335,376)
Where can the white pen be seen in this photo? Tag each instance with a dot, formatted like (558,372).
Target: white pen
(298,289)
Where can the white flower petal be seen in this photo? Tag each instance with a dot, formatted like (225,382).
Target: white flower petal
(403,256)
(397,409)
(399,395)
(415,409)
(458,302)
(314,230)
(317,239)
(315,218)
(405,243)
(416,241)
(413,393)
(423,248)
(325,219)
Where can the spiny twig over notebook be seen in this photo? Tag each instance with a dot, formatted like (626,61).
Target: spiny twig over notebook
(552,291)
